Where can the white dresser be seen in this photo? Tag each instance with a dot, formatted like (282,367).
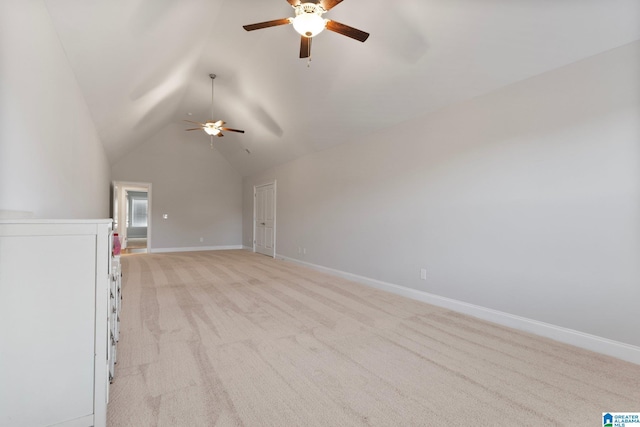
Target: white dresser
(58,321)
(115,302)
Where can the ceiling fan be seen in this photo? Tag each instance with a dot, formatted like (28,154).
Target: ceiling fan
(309,22)
(211,127)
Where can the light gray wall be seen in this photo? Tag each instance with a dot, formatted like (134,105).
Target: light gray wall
(193,184)
(525,200)
(52,162)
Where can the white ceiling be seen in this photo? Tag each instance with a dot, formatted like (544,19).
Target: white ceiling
(144,64)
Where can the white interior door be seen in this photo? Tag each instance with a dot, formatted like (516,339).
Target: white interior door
(264,235)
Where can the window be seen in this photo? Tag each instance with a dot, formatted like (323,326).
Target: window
(139,212)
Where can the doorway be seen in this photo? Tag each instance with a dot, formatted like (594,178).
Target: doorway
(131,213)
(264,219)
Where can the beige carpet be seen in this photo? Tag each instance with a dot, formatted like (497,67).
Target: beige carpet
(233,338)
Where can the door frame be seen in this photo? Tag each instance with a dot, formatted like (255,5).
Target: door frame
(122,188)
(275,209)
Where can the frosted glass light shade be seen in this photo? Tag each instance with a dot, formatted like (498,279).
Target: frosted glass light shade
(211,130)
(309,24)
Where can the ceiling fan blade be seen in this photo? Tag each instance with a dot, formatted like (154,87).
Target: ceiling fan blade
(191,121)
(305,47)
(328,4)
(220,135)
(232,130)
(194,129)
(346,30)
(293,3)
(267,24)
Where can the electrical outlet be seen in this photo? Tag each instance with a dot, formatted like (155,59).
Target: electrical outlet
(299,250)
(304,250)
(201,239)
(423,273)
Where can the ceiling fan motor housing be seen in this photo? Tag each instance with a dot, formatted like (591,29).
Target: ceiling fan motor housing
(309,8)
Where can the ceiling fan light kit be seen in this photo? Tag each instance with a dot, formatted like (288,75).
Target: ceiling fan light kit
(211,129)
(309,21)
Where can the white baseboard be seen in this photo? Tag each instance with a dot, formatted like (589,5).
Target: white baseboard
(248,248)
(196,248)
(617,349)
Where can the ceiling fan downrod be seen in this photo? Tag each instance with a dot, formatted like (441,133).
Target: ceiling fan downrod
(213,76)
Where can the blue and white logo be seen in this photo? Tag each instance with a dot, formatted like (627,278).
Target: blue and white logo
(621,419)
(607,420)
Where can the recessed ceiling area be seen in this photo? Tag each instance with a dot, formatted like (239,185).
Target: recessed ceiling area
(144,64)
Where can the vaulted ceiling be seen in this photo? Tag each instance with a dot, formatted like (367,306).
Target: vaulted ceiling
(145,64)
